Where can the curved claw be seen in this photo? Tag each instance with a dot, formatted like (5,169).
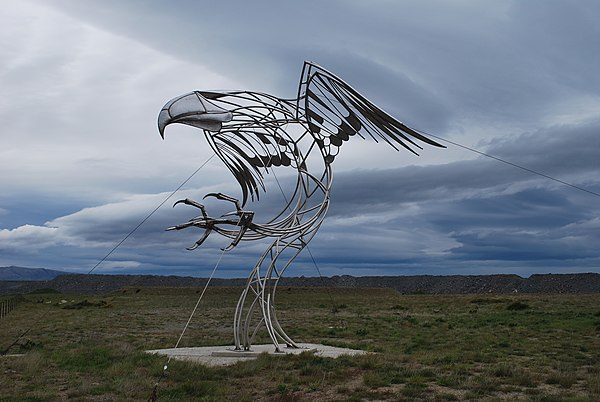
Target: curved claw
(237,239)
(193,203)
(181,226)
(200,240)
(179,202)
(225,197)
(208,223)
(232,213)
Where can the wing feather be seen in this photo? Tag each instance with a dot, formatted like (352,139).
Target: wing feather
(335,111)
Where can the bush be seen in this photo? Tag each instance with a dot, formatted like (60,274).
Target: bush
(517,306)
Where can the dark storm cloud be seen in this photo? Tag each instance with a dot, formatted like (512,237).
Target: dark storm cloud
(565,44)
(493,212)
(571,152)
(560,149)
(484,60)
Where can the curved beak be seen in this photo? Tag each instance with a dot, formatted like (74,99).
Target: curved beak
(193,110)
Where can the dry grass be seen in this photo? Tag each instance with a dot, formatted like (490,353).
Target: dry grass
(428,347)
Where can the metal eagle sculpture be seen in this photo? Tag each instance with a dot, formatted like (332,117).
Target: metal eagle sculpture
(253,133)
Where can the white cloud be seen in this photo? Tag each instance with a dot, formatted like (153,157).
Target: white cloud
(79,105)
(29,237)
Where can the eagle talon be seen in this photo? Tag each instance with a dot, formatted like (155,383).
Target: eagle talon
(225,197)
(193,203)
(201,240)
(244,220)
(232,213)
(203,221)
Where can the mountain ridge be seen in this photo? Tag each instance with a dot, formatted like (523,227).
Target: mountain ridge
(14,273)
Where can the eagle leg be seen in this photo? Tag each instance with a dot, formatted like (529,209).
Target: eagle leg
(244,222)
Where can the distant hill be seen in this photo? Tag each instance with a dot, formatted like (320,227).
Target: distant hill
(28,274)
(421,284)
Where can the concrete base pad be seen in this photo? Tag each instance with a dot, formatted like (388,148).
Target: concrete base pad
(225,355)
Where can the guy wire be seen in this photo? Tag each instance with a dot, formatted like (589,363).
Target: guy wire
(511,164)
(149,215)
(154,397)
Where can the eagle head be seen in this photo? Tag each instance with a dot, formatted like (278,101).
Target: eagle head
(193,109)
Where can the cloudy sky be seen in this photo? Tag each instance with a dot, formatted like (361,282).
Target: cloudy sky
(83,164)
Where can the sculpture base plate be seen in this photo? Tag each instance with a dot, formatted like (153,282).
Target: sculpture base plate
(226,355)
(255,350)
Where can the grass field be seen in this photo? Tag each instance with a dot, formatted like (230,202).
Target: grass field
(492,347)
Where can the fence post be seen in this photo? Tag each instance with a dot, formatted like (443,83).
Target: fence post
(6,306)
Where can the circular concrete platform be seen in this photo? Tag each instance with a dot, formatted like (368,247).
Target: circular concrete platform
(226,355)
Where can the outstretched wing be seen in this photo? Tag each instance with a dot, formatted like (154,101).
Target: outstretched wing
(335,112)
(254,140)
